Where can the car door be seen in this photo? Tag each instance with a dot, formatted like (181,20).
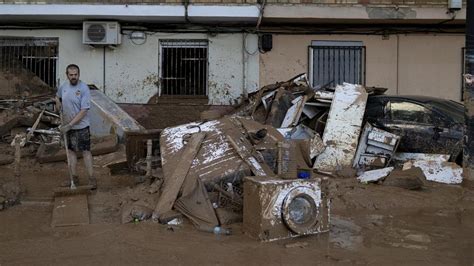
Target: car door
(414,123)
(447,134)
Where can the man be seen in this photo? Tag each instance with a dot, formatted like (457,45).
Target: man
(73,97)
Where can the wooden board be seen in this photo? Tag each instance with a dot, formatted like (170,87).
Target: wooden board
(293,114)
(343,127)
(244,148)
(173,183)
(70,211)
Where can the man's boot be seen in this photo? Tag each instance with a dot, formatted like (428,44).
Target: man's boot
(93,183)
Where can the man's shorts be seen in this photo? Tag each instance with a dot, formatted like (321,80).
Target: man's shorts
(79,139)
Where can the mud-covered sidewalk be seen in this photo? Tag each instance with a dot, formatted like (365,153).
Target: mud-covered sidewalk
(370,224)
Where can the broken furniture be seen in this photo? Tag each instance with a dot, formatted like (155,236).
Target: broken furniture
(136,147)
(106,117)
(210,172)
(375,149)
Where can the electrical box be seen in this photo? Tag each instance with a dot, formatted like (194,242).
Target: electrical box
(265,42)
(454,4)
(101,33)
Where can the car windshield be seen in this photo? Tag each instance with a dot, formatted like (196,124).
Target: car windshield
(451,108)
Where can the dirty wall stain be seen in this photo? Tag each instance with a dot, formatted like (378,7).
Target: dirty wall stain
(139,91)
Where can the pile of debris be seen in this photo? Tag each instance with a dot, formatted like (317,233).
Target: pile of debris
(343,143)
(330,118)
(30,121)
(285,133)
(27,118)
(34,123)
(29,128)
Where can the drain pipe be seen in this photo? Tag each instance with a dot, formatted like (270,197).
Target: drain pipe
(186,5)
(244,69)
(103,70)
(245,57)
(260,15)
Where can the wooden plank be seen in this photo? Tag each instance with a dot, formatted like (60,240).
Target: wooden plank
(173,183)
(189,183)
(70,211)
(293,114)
(257,101)
(343,127)
(33,128)
(243,147)
(280,105)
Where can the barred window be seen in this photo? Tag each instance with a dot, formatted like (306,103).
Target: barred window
(38,56)
(184,67)
(335,62)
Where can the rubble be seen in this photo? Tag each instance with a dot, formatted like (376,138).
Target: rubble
(411,179)
(376,148)
(20,83)
(52,152)
(10,193)
(37,120)
(441,172)
(285,132)
(286,137)
(405,156)
(374,175)
(135,212)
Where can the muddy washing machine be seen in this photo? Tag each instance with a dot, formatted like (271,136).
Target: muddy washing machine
(282,208)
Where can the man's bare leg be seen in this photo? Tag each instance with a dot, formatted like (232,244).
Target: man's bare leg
(89,168)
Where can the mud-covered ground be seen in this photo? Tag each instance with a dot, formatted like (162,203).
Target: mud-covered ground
(370,224)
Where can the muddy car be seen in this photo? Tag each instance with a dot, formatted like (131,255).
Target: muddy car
(426,124)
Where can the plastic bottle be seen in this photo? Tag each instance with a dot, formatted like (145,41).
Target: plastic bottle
(221,231)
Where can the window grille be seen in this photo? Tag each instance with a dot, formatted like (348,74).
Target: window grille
(184,67)
(35,55)
(335,62)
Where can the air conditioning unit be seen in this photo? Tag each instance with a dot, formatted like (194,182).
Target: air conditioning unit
(101,33)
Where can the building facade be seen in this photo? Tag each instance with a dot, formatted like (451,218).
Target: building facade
(221,50)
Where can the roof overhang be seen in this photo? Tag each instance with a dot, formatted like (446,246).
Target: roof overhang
(67,13)
(232,14)
(396,14)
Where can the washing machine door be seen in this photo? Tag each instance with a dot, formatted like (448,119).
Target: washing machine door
(300,211)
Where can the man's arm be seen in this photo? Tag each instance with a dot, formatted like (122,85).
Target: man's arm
(75,120)
(78,117)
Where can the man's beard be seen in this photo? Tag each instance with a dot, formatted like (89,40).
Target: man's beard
(73,81)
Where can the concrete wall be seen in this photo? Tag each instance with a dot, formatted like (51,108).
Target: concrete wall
(129,73)
(405,64)
(431,65)
(231,66)
(241,2)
